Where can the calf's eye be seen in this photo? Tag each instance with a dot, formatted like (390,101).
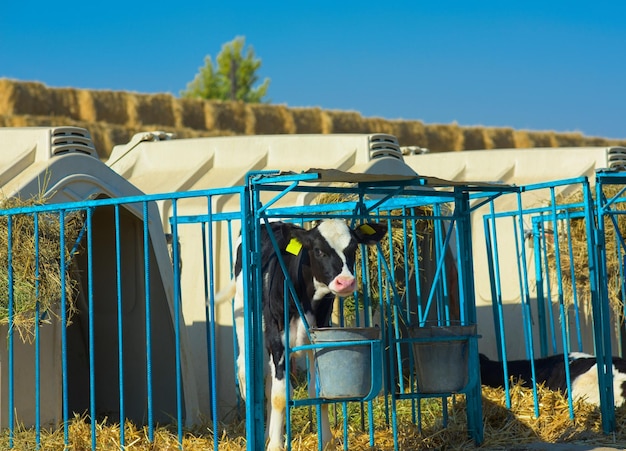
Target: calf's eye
(319,253)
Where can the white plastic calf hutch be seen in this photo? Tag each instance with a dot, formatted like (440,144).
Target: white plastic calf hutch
(61,164)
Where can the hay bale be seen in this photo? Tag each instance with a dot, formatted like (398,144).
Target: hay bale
(30,292)
(522,140)
(271,119)
(475,138)
(542,139)
(115,135)
(87,111)
(7,98)
(111,107)
(501,137)
(309,120)
(101,139)
(443,137)
(28,120)
(410,133)
(16,121)
(65,102)
(24,98)
(191,113)
(569,139)
(227,116)
(378,125)
(155,109)
(593,141)
(36,99)
(346,122)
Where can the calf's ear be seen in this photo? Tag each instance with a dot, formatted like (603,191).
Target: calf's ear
(370,232)
(301,235)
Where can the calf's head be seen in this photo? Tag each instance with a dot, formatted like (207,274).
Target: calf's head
(332,247)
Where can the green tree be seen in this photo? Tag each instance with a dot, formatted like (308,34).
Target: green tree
(234,78)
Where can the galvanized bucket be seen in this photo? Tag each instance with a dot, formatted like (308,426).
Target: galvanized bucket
(349,363)
(441,357)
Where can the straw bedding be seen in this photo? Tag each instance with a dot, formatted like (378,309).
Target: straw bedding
(502,428)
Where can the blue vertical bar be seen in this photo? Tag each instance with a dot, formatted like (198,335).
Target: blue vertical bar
(443,301)
(538,238)
(207,308)
(10,356)
(570,253)
(468,303)
(251,271)
(600,303)
(211,322)
(65,390)
(148,324)
(494,271)
(37,343)
(120,324)
(254,431)
(562,313)
(457,262)
(416,262)
(548,295)
(177,301)
(524,293)
(518,236)
(90,315)
(232,308)
(497,301)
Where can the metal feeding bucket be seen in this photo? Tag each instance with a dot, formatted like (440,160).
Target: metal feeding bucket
(349,364)
(441,357)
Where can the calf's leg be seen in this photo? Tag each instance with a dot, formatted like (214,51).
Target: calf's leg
(278,401)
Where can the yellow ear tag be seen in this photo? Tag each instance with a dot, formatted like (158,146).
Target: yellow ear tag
(367,229)
(294,247)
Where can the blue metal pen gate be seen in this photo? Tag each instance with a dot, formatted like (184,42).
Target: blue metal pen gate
(111,348)
(429,282)
(554,277)
(400,204)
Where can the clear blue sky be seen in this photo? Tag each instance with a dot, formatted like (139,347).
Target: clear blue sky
(539,65)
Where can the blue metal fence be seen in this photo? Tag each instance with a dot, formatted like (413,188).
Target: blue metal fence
(447,215)
(119,356)
(123,356)
(559,286)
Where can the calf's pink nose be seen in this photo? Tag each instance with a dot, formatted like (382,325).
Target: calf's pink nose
(345,284)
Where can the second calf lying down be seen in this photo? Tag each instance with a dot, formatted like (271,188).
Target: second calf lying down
(550,371)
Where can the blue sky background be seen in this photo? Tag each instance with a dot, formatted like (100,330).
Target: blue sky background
(538,65)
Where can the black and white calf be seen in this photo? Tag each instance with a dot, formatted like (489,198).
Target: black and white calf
(319,262)
(551,372)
